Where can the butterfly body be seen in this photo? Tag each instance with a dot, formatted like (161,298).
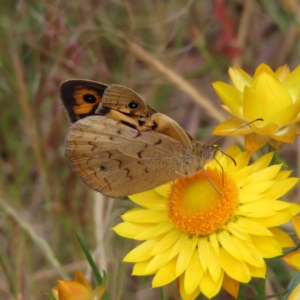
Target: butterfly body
(120,146)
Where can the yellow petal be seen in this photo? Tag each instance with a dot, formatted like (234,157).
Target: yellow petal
(254,141)
(164,243)
(234,151)
(286,134)
(238,231)
(158,261)
(267,246)
(283,238)
(230,96)
(269,173)
(193,274)
(250,198)
(252,227)
(151,232)
(283,175)
(291,83)
(214,265)
(239,78)
(258,272)
(241,211)
(294,209)
(176,248)
(262,162)
(234,268)
(288,115)
(258,188)
(208,287)
(140,268)
(281,187)
(265,128)
(249,253)
(263,68)
(141,252)
(183,293)
(295,294)
(265,174)
(230,125)
(99,292)
(252,108)
(166,274)
(293,259)
(132,230)
(150,199)
(296,224)
(140,215)
(71,290)
(243,175)
(273,95)
(265,205)
(214,242)
(271,221)
(242,160)
(55,293)
(164,190)
(227,109)
(203,250)
(225,240)
(184,256)
(78,277)
(231,286)
(282,72)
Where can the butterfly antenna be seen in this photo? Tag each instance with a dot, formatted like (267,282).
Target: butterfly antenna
(233,160)
(234,130)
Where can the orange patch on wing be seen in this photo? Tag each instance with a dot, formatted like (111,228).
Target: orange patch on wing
(83,106)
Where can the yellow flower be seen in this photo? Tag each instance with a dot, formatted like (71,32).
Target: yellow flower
(207,240)
(272,96)
(293,258)
(79,289)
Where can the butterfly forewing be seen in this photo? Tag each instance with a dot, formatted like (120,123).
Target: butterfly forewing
(123,99)
(81,97)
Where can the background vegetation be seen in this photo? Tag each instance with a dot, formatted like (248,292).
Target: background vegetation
(169,52)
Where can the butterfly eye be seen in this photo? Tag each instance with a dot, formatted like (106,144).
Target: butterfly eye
(89,98)
(103,168)
(206,153)
(133,105)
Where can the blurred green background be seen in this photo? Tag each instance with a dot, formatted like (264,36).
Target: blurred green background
(167,51)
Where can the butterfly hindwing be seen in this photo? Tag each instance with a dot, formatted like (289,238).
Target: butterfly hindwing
(117,160)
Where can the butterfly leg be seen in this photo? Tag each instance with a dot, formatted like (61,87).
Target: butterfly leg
(212,184)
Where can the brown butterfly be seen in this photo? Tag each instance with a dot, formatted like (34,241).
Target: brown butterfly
(120,146)
(82,98)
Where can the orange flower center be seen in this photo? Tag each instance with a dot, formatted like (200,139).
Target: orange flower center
(200,205)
